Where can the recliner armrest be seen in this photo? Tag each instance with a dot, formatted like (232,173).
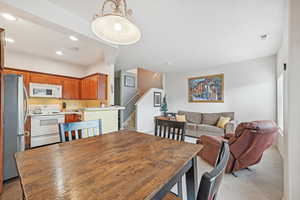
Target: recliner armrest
(207,139)
(211,148)
(230,127)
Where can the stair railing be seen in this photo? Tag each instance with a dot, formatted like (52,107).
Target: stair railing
(130,106)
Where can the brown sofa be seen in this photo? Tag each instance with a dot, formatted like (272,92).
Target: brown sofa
(246,145)
(206,123)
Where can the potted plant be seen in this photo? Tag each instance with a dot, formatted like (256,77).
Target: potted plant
(164,106)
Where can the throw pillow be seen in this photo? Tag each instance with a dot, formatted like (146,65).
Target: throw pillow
(180,118)
(223,121)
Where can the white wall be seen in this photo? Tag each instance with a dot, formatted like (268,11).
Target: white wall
(282,58)
(104,68)
(292,147)
(145,112)
(39,64)
(250,90)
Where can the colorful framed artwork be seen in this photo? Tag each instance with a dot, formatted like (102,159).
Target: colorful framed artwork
(129,81)
(206,89)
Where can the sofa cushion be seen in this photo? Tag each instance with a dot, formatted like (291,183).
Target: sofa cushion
(208,128)
(213,118)
(210,118)
(196,130)
(223,121)
(197,134)
(192,117)
(191,126)
(181,118)
(228,114)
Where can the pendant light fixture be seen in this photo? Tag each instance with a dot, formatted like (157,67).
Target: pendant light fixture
(114,26)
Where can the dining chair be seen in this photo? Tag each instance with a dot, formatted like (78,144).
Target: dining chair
(78,130)
(170,129)
(174,130)
(210,181)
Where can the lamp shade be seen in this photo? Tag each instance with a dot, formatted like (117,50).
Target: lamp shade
(116,30)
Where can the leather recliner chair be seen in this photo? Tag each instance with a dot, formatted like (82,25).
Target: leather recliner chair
(246,145)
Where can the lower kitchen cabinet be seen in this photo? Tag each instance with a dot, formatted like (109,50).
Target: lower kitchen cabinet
(69,118)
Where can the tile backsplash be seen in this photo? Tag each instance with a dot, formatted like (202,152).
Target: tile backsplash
(71,104)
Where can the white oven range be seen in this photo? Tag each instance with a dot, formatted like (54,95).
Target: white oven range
(44,129)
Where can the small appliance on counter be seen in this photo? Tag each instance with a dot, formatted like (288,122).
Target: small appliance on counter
(64,106)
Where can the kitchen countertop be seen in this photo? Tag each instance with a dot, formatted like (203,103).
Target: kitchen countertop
(104,108)
(59,113)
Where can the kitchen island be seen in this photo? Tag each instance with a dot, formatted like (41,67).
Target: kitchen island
(108,115)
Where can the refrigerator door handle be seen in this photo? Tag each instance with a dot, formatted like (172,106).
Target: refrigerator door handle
(26,104)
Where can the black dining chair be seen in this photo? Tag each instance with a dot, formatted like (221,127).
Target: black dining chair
(210,181)
(174,130)
(78,130)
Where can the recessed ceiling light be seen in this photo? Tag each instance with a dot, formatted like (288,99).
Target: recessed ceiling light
(60,53)
(264,36)
(9,17)
(73,38)
(10,40)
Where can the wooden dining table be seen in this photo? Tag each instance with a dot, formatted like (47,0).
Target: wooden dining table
(124,165)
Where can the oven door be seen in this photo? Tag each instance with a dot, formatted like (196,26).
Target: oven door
(45,125)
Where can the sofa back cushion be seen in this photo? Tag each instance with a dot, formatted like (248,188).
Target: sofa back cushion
(210,118)
(228,114)
(213,118)
(192,117)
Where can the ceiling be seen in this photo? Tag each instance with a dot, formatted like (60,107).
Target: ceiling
(34,39)
(194,34)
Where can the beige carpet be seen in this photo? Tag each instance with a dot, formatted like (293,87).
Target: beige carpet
(265,182)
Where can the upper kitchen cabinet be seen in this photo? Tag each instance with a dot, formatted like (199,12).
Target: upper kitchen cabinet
(26,75)
(94,87)
(46,79)
(71,88)
(103,87)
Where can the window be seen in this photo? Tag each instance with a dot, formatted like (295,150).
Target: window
(280,101)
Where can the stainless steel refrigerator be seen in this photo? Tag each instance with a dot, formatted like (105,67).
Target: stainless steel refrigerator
(15,114)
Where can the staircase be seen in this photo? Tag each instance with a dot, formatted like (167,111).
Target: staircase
(129,114)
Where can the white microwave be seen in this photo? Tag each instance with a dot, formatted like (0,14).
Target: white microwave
(45,90)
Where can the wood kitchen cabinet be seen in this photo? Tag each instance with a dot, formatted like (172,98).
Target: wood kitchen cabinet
(72,118)
(26,76)
(46,79)
(71,88)
(94,87)
(103,85)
